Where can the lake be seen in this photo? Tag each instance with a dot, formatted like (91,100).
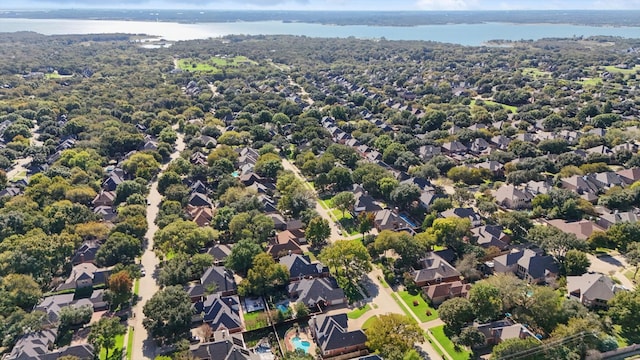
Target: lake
(464,34)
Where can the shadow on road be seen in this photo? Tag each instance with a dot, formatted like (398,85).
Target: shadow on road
(610,260)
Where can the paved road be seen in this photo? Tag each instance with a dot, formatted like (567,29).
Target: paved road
(143,346)
(379,295)
(613,265)
(21,164)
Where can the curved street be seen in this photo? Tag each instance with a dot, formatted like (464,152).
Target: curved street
(143,346)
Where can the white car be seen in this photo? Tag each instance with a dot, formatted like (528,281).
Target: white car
(143,272)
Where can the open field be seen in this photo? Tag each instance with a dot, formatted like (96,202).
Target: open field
(513,109)
(213,65)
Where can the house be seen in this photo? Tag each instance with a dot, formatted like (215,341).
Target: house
(581,229)
(278,250)
(527,264)
(104,198)
(592,290)
(220,252)
(107,213)
(501,330)
(491,235)
(112,182)
(317,292)
(86,253)
(422,184)
(250,178)
(300,266)
(52,305)
(201,215)
(630,175)
(85,275)
(220,312)
(463,213)
(198,187)
(426,152)
(365,202)
(479,145)
(608,219)
(279,223)
(496,168)
(223,346)
(538,187)
(199,199)
(435,270)
(439,293)
(296,235)
(511,197)
(389,220)
(215,280)
(38,345)
(454,147)
(10,191)
(332,336)
(586,187)
(608,179)
(427,198)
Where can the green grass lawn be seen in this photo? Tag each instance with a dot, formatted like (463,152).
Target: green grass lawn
(513,109)
(19,176)
(421,309)
(614,69)
(383,282)
(193,65)
(326,203)
(367,324)
(255,320)
(447,345)
(358,312)
(113,352)
(130,343)
(136,287)
(535,72)
(398,301)
(213,65)
(591,81)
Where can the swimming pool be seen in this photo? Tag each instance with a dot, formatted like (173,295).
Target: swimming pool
(301,344)
(407,220)
(282,307)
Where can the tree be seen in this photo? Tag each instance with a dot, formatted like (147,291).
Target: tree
(576,263)
(301,310)
(633,256)
(468,267)
(340,177)
(143,165)
(268,165)
(21,290)
(73,316)
(471,337)
(624,234)
(366,220)
(119,248)
(120,285)
(486,300)
(167,179)
(393,334)
(168,315)
(512,348)
(128,188)
(242,255)
(318,231)
(349,259)
(344,201)
(104,332)
(183,236)
(455,313)
(624,310)
(517,222)
(554,241)
(404,195)
(263,276)
(450,232)
(543,307)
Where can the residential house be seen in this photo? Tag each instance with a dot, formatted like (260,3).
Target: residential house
(582,229)
(479,145)
(592,290)
(38,346)
(313,292)
(608,179)
(511,197)
(586,187)
(463,213)
(501,330)
(112,182)
(223,346)
(107,213)
(86,253)
(104,198)
(201,215)
(426,152)
(427,198)
(608,219)
(278,250)
(220,252)
(10,191)
(435,270)
(199,199)
(527,264)
(333,337)
(454,147)
(300,266)
(630,175)
(296,235)
(85,275)
(365,202)
(496,168)
(220,312)
(491,235)
(389,220)
(439,293)
(215,280)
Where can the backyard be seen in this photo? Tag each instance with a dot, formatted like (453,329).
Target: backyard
(115,352)
(255,320)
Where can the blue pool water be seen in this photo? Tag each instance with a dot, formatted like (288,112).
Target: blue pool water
(301,344)
(235,174)
(282,307)
(406,219)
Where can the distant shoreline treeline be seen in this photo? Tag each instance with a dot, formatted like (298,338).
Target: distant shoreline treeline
(377,18)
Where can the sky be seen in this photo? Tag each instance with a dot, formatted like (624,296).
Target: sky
(330,4)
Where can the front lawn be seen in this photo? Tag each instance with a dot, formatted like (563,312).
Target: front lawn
(115,352)
(358,312)
(130,344)
(448,346)
(367,324)
(421,307)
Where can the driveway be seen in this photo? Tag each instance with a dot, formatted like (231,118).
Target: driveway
(613,265)
(143,346)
